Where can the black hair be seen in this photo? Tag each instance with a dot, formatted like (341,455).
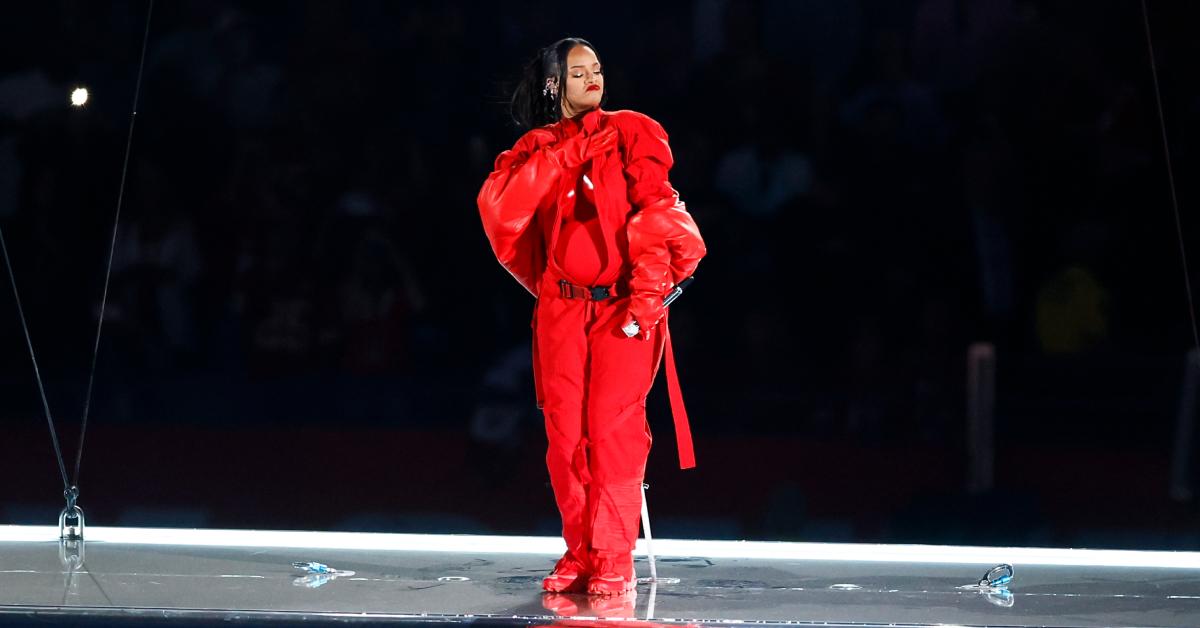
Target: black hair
(531,106)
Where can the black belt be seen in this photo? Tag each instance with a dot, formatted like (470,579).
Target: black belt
(569,290)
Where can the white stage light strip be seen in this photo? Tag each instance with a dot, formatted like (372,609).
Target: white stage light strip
(761,550)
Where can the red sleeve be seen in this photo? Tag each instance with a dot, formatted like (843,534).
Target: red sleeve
(524,178)
(664,242)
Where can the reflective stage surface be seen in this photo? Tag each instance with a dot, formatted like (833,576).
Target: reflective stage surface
(126,576)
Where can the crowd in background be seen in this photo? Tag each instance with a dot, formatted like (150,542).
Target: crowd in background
(880,183)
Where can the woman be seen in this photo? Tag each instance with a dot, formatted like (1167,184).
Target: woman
(581,213)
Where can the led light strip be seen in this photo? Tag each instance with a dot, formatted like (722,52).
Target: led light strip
(762,550)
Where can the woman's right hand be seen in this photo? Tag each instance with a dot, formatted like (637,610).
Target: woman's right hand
(580,148)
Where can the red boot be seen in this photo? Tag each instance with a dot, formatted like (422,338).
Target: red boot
(570,575)
(612,574)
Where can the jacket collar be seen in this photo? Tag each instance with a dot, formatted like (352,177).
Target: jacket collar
(589,122)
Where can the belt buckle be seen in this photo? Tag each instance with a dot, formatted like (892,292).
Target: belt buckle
(599,293)
(564,289)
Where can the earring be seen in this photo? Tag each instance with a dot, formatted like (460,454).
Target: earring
(551,88)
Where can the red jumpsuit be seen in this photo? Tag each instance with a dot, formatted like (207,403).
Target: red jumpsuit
(612,221)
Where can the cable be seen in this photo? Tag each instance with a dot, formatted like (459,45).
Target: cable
(71,490)
(1162,123)
(37,374)
(87,403)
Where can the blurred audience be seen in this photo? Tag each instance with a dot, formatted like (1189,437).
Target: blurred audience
(881,183)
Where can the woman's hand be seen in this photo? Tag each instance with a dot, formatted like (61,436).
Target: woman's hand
(580,149)
(646,309)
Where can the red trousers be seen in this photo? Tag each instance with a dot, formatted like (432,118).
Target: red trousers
(594,381)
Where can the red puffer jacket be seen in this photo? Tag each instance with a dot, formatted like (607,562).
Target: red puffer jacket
(520,201)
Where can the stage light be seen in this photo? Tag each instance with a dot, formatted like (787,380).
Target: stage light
(79,97)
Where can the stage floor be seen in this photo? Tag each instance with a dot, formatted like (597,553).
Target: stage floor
(202,577)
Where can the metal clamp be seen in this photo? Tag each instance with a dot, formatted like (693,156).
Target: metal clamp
(71,531)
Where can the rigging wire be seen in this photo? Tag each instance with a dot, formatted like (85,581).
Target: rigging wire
(37,374)
(71,489)
(87,403)
(1162,123)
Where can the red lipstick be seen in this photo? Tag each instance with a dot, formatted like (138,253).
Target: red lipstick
(592,88)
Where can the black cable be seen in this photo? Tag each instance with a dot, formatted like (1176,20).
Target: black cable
(1162,123)
(87,403)
(71,491)
(37,374)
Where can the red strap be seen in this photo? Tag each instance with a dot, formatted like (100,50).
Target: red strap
(538,397)
(683,433)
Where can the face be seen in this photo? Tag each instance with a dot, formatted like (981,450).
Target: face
(585,82)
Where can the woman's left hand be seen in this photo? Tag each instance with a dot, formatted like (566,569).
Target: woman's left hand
(645,309)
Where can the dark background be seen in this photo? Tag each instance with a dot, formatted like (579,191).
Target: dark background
(306,328)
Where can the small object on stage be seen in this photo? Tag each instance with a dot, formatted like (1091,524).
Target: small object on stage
(317,574)
(312,567)
(997,577)
(321,569)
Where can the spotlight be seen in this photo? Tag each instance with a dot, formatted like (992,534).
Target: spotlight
(79,97)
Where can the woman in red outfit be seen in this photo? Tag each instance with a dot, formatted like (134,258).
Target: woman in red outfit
(581,213)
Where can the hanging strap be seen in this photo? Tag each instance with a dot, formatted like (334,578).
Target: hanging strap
(683,431)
